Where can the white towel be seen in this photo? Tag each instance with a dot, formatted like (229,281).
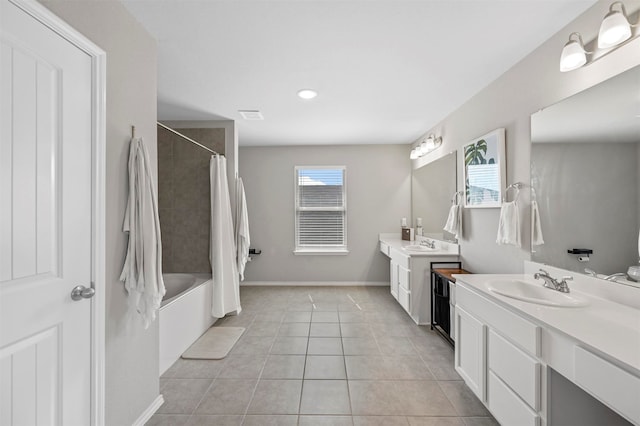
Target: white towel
(142,270)
(509,225)
(454,221)
(222,249)
(243,240)
(536,226)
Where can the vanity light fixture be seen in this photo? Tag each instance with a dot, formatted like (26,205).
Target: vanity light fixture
(573,53)
(614,30)
(426,146)
(307,94)
(615,27)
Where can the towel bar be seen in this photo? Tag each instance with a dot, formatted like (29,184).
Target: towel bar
(517,186)
(454,199)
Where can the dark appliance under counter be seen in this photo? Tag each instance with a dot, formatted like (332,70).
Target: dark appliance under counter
(443,297)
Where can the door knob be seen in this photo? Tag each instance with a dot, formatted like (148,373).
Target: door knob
(81,292)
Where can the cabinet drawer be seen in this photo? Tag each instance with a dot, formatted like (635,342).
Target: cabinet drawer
(514,327)
(384,248)
(607,382)
(400,258)
(506,407)
(404,277)
(404,297)
(515,368)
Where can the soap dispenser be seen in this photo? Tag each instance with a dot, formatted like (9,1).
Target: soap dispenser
(419,230)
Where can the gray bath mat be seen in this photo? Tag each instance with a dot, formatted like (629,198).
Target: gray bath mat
(214,344)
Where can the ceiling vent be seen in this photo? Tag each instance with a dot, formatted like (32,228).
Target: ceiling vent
(251,114)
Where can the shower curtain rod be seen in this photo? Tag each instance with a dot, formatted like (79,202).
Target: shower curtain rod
(185,137)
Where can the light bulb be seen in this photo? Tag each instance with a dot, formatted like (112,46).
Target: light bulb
(573,54)
(615,28)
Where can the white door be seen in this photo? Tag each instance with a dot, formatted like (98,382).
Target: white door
(45,224)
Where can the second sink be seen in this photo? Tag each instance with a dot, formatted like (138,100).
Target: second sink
(417,247)
(532,293)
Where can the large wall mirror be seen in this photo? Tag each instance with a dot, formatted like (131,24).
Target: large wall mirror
(585,175)
(432,187)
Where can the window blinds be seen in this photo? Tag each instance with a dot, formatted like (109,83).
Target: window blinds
(320,207)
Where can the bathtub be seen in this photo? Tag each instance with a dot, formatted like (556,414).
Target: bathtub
(185,313)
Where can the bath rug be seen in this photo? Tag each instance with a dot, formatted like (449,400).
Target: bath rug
(215,343)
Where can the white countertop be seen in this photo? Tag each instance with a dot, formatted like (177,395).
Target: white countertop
(443,248)
(604,325)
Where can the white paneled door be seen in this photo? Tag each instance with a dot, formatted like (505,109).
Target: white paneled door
(45,224)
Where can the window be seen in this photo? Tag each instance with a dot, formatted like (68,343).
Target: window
(321,210)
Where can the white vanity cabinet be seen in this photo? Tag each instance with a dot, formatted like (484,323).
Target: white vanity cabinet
(507,353)
(401,278)
(410,277)
(496,355)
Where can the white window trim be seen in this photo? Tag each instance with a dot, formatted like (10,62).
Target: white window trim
(319,250)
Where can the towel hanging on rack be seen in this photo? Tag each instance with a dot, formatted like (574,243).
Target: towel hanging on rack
(243,239)
(142,270)
(454,220)
(536,224)
(509,224)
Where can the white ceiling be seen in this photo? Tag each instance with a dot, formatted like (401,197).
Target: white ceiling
(386,70)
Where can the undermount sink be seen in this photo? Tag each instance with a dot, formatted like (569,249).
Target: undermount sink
(532,293)
(417,247)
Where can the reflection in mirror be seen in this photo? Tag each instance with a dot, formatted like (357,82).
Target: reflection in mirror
(585,176)
(432,187)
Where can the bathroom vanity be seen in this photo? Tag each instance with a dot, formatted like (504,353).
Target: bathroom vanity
(410,271)
(513,336)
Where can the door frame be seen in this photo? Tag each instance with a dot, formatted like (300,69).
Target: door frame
(98,154)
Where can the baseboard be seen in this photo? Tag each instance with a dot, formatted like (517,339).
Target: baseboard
(317,283)
(150,411)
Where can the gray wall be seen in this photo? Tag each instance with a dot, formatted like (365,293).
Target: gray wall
(230,144)
(587,194)
(508,102)
(184,195)
(378,196)
(131,352)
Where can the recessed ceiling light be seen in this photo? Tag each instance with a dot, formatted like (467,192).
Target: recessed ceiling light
(307,93)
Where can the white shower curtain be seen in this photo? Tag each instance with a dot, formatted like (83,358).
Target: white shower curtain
(222,250)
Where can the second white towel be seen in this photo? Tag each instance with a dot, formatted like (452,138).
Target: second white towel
(536,226)
(454,221)
(509,225)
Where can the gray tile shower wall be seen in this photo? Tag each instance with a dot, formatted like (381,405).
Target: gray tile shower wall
(183,197)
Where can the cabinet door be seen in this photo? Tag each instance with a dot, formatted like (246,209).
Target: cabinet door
(404,278)
(470,351)
(404,297)
(394,279)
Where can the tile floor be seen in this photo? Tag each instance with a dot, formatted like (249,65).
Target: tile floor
(329,356)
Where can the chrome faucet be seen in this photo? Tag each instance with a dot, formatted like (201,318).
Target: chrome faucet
(428,243)
(552,283)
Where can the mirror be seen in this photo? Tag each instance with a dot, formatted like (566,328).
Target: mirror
(432,187)
(585,175)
